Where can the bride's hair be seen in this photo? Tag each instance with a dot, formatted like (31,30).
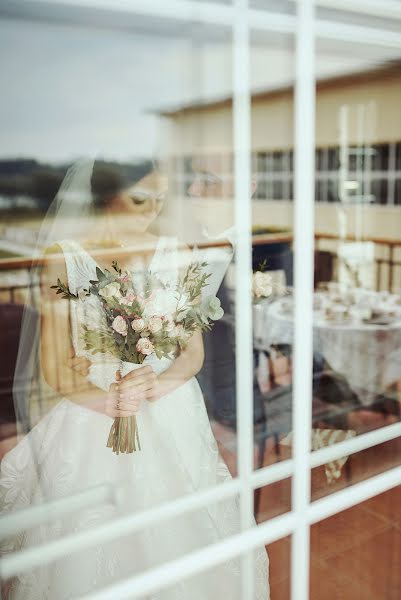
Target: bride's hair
(109,179)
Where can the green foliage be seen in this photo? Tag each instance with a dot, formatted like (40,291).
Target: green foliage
(97,341)
(64,291)
(194,280)
(115,266)
(263,265)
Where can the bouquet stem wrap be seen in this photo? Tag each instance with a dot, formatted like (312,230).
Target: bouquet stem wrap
(124,433)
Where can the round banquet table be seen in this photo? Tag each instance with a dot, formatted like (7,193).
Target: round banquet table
(367,355)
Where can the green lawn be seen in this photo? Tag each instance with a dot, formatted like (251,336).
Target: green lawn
(7,254)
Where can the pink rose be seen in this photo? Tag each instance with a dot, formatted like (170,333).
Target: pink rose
(120,325)
(144,346)
(155,324)
(138,325)
(129,298)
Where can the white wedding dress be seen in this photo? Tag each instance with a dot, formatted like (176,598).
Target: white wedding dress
(66,453)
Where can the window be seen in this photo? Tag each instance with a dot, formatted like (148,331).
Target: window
(333,159)
(332,190)
(397,195)
(320,191)
(398,156)
(195,57)
(380,157)
(379,190)
(321,159)
(261,163)
(277,189)
(278,164)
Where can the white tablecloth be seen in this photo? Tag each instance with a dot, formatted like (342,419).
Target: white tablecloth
(369,356)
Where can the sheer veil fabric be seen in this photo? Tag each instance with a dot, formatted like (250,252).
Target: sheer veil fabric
(66,218)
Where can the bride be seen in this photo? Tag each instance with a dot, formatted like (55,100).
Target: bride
(98,216)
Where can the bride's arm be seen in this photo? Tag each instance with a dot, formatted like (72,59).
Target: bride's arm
(187,364)
(56,352)
(146,385)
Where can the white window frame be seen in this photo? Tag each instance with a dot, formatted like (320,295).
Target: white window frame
(297,522)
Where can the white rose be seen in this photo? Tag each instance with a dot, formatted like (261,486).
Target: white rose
(155,324)
(110,290)
(178,331)
(262,284)
(138,325)
(120,325)
(164,302)
(168,323)
(144,346)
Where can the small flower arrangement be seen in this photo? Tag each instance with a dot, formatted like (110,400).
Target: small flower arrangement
(264,284)
(158,320)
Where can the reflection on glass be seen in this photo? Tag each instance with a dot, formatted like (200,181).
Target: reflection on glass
(357,302)
(345,561)
(127,209)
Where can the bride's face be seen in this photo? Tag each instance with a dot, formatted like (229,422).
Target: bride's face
(141,202)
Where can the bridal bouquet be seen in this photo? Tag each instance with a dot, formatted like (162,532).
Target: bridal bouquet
(157,319)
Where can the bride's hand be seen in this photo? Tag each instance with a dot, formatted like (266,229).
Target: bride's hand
(80,364)
(141,384)
(118,406)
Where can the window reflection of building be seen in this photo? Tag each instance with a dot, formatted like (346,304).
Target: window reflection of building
(370,168)
(379,169)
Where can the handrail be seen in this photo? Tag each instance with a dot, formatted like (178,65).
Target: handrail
(7,264)
(28,262)
(351,238)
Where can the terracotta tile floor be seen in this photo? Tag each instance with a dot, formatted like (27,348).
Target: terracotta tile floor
(356,554)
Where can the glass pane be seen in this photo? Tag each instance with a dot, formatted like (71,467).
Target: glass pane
(272,258)
(357,302)
(152,108)
(398,155)
(280,565)
(346,561)
(380,157)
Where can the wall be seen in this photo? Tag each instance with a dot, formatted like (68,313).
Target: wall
(209,130)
